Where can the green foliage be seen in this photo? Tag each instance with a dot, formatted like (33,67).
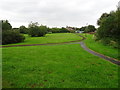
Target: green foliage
(23,29)
(37,31)
(72,31)
(59,30)
(6,25)
(16,29)
(89,28)
(109,28)
(11,36)
(103,16)
(55,30)
(43,30)
(33,24)
(83,28)
(63,30)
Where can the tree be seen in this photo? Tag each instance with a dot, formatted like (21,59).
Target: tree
(37,31)
(10,35)
(43,30)
(83,28)
(6,25)
(103,16)
(33,24)
(64,30)
(109,29)
(55,30)
(89,28)
(23,29)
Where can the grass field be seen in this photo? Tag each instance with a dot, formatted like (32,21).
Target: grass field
(60,66)
(99,47)
(50,38)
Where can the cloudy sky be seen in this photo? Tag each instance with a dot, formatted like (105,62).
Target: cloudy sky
(55,13)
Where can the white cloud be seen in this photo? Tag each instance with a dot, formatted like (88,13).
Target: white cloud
(55,12)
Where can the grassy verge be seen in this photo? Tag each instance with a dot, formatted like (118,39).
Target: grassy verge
(49,38)
(60,66)
(99,47)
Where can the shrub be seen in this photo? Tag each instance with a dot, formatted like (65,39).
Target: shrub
(64,30)
(89,28)
(6,25)
(23,30)
(37,31)
(55,30)
(10,36)
(59,30)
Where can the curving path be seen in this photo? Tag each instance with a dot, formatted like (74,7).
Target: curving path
(112,60)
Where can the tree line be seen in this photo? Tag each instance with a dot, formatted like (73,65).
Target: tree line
(15,35)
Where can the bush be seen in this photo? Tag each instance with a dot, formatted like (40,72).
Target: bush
(37,31)
(64,30)
(23,29)
(55,30)
(6,25)
(89,28)
(10,36)
(59,30)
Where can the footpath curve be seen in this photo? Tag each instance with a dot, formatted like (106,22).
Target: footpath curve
(112,60)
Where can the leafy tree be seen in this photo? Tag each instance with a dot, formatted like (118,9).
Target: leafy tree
(89,28)
(64,30)
(6,25)
(37,31)
(83,28)
(23,29)
(43,30)
(33,24)
(103,16)
(55,30)
(109,29)
(59,30)
(10,35)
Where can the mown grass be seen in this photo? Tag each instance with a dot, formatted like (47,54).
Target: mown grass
(49,38)
(99,47)
(60,66)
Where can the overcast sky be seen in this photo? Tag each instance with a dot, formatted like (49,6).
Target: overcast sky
(55,13)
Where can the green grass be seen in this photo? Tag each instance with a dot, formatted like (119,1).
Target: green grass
(50,38)
(60,66)
(99,47)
